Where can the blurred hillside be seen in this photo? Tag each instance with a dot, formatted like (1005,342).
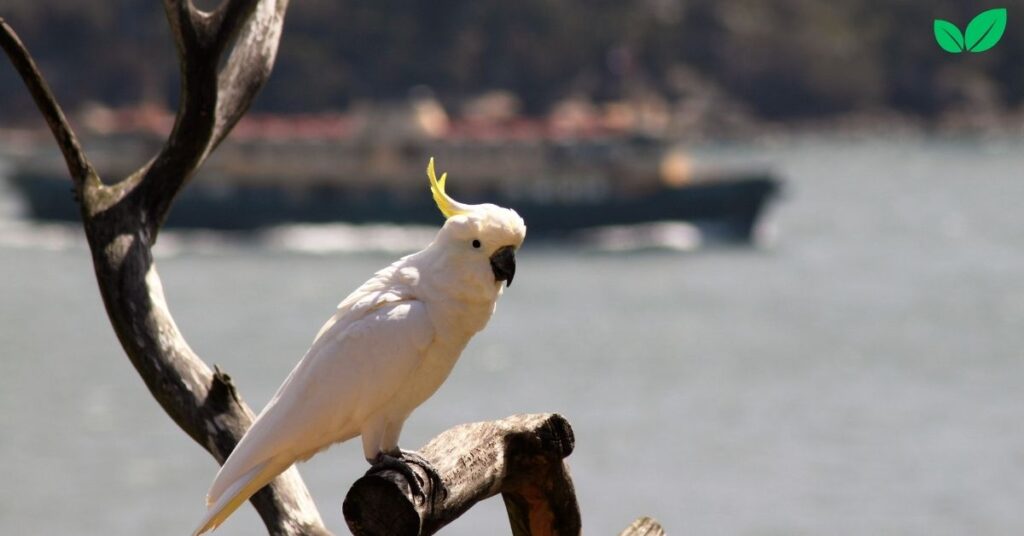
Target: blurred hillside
(744,60)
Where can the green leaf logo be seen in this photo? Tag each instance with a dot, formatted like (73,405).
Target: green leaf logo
(949,36)
(983,32)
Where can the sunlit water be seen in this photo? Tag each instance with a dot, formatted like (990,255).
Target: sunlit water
(862,375)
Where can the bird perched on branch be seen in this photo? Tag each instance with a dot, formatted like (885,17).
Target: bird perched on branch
(388,347)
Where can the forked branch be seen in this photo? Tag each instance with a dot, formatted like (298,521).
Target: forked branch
(212,100)
(122,221)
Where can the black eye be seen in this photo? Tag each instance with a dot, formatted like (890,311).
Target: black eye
(476,244)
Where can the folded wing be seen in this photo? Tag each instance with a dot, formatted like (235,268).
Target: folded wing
(353,368)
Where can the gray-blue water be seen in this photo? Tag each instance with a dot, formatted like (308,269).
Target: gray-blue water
(862,375)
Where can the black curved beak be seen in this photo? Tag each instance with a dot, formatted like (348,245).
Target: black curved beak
(503,264)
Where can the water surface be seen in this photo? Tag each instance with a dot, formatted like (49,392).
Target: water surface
(862,375)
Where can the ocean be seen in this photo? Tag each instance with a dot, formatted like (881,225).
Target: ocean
(858,372)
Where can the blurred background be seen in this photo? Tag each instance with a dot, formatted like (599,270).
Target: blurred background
(773,276)
(783,60)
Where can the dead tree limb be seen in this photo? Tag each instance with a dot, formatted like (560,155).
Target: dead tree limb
(122,220)
(644,526)
(78,165)
(520,457)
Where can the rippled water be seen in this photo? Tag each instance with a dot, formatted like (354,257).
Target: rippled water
(860,376)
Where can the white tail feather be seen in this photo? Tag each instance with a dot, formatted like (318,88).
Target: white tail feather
(239,492)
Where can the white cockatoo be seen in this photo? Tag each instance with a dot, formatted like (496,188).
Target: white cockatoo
(388,347)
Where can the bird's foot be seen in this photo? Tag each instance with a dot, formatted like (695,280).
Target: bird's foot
(399,461)
(394,462)
(438,491)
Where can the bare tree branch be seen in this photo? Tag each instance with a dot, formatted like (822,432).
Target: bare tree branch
(122,220)
(519,457)
(201,38)
(248,66)
(81,170)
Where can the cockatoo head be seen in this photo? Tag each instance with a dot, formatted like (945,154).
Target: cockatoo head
(481,239)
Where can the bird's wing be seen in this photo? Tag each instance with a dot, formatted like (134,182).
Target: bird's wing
(352,369)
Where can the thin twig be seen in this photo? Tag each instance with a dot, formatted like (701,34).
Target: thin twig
(82,172)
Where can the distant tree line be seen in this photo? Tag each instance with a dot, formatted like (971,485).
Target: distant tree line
(778,59)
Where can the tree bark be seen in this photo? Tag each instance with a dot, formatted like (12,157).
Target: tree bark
(520,457)
(122,221)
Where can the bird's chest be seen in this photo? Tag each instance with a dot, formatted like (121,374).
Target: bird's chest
(453,332)
(437,364)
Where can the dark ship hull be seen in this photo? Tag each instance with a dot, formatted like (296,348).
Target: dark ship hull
(725,209)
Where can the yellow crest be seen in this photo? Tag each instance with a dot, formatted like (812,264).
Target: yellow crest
(448,206)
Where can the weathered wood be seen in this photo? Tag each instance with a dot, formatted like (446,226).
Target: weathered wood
(645,526)
(520,457)
(122,220)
